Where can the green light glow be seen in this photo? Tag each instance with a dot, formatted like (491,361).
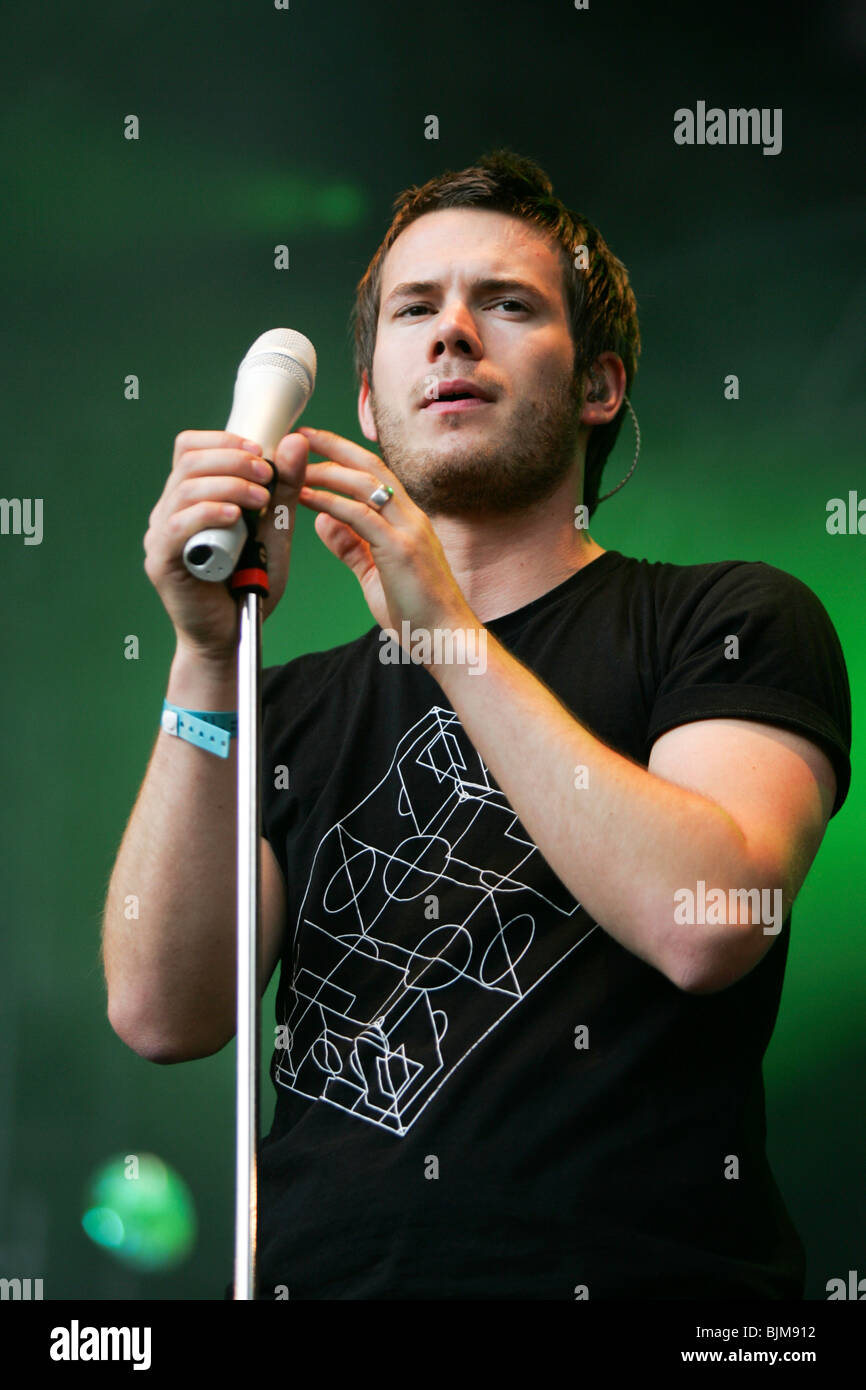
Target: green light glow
(141,1212)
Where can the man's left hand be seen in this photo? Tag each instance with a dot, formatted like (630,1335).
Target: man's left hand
(394,553)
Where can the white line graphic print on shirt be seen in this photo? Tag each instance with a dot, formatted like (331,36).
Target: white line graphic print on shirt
(385,1004)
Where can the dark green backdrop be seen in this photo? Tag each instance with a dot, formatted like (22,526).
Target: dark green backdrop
(155,257)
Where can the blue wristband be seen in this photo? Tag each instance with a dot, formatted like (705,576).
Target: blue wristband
(208,729)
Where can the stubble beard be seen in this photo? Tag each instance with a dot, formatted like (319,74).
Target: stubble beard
(492,477)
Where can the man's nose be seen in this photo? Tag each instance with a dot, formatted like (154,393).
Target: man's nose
(455,331)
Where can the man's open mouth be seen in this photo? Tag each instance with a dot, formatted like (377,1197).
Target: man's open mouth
(457,395)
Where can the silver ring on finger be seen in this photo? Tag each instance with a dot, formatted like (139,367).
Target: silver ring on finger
(382,495)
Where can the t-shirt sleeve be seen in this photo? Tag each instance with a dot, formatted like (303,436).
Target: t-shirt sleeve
(283,689)
(788,669)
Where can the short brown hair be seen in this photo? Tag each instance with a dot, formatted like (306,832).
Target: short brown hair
(601,303)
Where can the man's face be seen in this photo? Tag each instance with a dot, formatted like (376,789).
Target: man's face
(477,297)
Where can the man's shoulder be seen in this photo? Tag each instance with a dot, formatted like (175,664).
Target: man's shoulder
(318,668)
(676,586)
(671,573)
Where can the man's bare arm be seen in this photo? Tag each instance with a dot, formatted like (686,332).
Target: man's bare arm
(735,804)
(169,947)
(169,920)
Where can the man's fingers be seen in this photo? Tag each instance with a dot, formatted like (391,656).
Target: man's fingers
(343,450)
(345,544)
(358,484)
(290,457)
(207,439)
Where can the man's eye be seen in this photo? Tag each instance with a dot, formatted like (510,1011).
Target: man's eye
(499,303)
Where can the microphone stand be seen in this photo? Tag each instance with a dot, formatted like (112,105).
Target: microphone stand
(249,583)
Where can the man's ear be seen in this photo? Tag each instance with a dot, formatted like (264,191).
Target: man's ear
(607,388)
(365,413)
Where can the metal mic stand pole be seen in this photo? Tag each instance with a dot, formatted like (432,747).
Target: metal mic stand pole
(249,583)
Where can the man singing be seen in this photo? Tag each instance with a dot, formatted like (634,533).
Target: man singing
(531,842)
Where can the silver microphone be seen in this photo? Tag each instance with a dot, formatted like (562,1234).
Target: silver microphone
(274,382)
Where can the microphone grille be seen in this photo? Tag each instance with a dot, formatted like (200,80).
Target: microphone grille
(282,364)
(286,351)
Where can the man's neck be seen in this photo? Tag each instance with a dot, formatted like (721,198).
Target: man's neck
(504,562)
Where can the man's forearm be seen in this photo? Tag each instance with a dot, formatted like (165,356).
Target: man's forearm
(168,924)
(621,839)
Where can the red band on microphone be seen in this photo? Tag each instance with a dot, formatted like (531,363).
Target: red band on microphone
(249,578)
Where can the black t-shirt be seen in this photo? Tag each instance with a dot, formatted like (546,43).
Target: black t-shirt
(443,1128)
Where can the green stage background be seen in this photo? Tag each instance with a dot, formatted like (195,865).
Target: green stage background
(155,257)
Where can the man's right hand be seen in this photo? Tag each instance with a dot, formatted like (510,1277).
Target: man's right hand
(210,470)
